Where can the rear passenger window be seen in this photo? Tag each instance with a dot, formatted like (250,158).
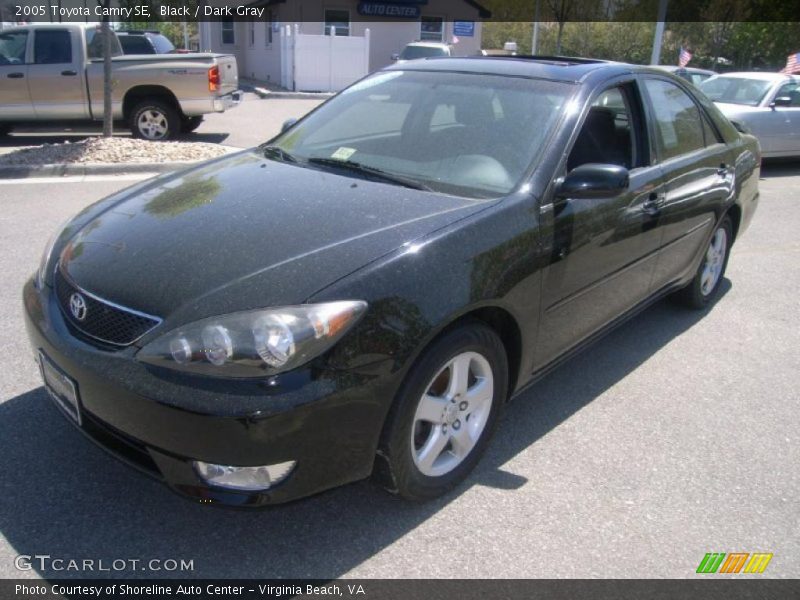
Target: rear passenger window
(52,47)
(678,124)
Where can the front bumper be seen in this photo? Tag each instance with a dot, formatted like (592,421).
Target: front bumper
(159,421)
(228,101)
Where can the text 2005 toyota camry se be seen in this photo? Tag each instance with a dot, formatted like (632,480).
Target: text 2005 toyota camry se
(362,295)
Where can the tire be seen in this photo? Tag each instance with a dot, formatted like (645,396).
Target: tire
(189,124)
(701,291)
(432,438)
(154,120)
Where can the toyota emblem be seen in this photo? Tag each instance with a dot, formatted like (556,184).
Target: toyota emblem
(77,306)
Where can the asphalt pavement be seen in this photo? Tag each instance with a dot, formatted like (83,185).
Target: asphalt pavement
(674,436)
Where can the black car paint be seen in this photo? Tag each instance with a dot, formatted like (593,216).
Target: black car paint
(549,274)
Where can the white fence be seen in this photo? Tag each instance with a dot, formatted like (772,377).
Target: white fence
(321,63)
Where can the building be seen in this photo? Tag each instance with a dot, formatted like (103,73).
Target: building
(257,45)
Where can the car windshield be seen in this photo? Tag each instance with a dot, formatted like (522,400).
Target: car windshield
(412,52)
(736,90)
(472,135)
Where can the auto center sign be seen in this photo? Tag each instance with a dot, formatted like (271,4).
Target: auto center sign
(392,10)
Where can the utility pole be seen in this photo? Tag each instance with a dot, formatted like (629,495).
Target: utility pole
(662,16)
(535,39)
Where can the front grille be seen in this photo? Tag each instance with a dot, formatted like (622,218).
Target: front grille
(103,320)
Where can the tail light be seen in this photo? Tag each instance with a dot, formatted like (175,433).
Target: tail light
(213,79)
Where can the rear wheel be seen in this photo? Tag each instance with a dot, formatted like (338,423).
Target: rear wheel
(706,283)
(154,120)
(191,123)
(445,414)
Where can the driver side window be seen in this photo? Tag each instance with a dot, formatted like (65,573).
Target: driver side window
(608,134)
(791,91)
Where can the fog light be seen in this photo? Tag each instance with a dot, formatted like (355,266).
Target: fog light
(243,478)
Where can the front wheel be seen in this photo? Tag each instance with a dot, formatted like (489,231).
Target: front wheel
(706,283)
(445,414)
(154,120)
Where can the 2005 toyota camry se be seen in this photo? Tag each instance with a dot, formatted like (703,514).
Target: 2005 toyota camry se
(362,294)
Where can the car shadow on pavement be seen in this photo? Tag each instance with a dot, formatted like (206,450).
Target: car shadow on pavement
(64,497)
(772,168)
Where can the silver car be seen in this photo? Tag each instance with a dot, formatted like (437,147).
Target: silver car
(764,104)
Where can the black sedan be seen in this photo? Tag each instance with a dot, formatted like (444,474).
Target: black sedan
(361,295)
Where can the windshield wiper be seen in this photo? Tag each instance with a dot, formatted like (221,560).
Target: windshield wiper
(370,171)
(279,153)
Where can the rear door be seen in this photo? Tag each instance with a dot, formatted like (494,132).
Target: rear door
(604,249)
(56,74)
(699,176)
(15,100)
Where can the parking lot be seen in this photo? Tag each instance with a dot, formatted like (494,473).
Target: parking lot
(674,436)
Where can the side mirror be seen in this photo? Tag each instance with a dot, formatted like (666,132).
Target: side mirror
(287,124)
(594,181)
(781,101)
(396,56)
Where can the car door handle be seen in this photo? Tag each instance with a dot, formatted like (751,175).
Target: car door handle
(69,73)
(15,75)
(652,206)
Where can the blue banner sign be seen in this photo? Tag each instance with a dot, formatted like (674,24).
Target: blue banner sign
(388,10)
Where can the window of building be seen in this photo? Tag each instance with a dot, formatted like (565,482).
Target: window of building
(338,18)
(52,47)
(269,26)
(431,29)
(228,34)
(679,127)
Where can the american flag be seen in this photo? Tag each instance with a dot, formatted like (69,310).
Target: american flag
(684,56)
(791,64)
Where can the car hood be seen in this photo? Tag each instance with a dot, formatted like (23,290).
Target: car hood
(244,232)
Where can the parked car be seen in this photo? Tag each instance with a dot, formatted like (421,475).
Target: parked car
(138,41)
(764,104)
(416,50)
(362,294)
(693,75)
(54,74)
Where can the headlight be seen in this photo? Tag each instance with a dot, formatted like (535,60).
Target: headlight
(44,262)
(254,343)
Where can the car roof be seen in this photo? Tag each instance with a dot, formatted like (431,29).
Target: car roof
(560,68)
(762,75)
(428,44)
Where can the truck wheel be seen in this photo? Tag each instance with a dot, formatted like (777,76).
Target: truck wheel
(191,123)
(154,120)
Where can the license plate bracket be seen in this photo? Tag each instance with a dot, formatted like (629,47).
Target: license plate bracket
(61,388)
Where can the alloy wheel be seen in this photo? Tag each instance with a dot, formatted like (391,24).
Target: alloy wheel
(452,414)
(714,261)
(153,124)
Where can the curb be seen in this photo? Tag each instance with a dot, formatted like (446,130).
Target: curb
(33,171)
(266,94)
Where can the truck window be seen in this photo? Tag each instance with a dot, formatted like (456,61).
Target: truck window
(12,47)
(135,44)
(52,47)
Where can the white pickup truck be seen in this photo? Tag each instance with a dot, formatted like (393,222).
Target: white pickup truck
(53,74)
